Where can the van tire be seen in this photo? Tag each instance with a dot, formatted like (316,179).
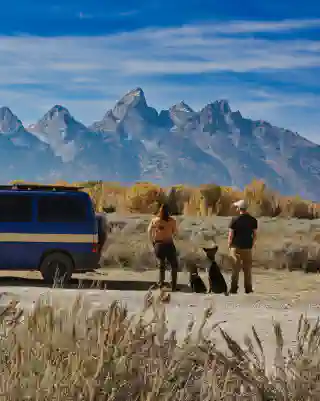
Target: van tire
(56,266)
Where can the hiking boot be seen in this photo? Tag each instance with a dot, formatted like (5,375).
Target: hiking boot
(174,279)
(162,276)
(233,291)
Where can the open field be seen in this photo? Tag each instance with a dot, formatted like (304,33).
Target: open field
(282,243)
(65,354)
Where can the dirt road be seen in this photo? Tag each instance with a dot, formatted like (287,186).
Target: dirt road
(278,296)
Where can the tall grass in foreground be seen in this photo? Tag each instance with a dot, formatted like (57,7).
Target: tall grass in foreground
(59,354)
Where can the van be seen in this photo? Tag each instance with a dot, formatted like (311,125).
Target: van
(52,229)
(103,229)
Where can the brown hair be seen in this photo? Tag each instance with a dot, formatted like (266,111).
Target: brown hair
(164,213)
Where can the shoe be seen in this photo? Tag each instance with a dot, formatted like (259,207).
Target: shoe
(233,291)
(249,291)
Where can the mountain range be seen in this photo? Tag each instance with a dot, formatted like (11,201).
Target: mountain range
(134,142)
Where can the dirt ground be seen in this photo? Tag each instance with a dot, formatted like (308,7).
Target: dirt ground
(281,286)
(278,296)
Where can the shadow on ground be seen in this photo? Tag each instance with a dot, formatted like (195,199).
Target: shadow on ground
(85,283)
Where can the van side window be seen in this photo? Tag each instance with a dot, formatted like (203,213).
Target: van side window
(15,208)
(61,209)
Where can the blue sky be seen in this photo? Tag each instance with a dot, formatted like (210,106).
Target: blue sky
(264,57)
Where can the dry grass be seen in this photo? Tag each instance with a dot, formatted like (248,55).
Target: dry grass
(108,355)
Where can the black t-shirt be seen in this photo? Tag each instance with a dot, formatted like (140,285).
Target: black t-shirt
(243,227)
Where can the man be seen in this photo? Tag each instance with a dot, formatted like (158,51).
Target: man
(242,238)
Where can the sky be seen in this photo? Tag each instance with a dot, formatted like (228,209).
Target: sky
(262,56)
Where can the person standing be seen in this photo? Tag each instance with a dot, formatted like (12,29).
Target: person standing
(241,239)
(161,231)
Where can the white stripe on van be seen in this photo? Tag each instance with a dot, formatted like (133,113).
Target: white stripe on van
(63,238)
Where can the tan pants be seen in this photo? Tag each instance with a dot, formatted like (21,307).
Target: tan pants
(242,259)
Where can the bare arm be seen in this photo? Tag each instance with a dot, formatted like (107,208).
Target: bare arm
(254,238)
(174,229)
(230,237)
(254,234)
(150,232)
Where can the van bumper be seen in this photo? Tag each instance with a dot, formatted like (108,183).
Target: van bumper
(86,262)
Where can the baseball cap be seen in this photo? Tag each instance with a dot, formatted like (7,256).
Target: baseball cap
(241,204)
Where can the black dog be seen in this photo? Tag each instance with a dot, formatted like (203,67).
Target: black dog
(196,283)
(217,282)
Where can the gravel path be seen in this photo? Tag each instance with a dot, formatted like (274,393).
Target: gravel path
(240,311)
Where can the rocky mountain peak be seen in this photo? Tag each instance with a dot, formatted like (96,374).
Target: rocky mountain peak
(221,106)
(57,112)
(132,99)
(9,122)
(181,107)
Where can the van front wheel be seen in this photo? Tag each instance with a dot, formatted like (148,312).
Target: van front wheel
(56,267)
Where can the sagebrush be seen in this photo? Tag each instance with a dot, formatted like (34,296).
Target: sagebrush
(210,199)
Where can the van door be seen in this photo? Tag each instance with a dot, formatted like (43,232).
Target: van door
(16,229)
(65,221)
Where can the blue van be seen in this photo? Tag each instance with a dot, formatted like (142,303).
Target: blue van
(52,229)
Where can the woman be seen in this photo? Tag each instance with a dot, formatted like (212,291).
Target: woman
(161,231)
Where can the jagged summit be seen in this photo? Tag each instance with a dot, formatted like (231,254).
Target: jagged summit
(221,106)
(182,115)
(9,122)
(133,98)
(59,129)
(58,108)
(182,106)
(4,111)
(132,107)
(56,111)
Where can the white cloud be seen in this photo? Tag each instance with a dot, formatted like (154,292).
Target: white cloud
(37,72)
(182,50)
(263,26)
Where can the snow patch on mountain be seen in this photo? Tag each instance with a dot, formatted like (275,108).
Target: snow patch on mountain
(66,150)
